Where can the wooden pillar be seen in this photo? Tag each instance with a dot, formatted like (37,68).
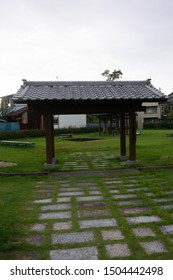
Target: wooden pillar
(50,152)
(122,137)
(104,124)
(110,131)
(100,125)
(53,142)
(132,137)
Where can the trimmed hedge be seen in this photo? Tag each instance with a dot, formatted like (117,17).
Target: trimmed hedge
(159,125)
(6,135)
(77,130)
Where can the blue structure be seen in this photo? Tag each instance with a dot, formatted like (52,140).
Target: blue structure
(9,126)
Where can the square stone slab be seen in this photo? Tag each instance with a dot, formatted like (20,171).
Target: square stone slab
(64,206)
(24,255)
(143,232)
(55,215)
(153,247)
(167,207)
(64,199)
(69,189)
(112,235)
(130,190)
(91,204)
(169,192)
(89,198)
(70,193)
(43,195)
(117,250)
(122,196)
(43,191)
(143,219)
(87,253)
(64,184)
(62,225)
(42,201)
(113,182)
(150,194)
(134,210)
(97,223)
(86,184)
(76,237)
(162,199)
(38,227)
(35,239)
(167,229)
(129,202)
(114,191)
(40,183)
(94,192)
(93,213)
(44,186)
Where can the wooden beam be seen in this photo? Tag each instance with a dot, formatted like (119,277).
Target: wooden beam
(86,106)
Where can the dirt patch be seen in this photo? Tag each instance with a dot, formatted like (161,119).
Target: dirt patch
(7,164)
(83,139)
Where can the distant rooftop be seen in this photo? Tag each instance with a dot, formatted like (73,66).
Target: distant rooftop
(18,109)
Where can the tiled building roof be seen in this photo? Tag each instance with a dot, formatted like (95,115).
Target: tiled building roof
(170,98)
(105,90)
(18,109)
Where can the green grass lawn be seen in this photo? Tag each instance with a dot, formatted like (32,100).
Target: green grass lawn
(15,193)
(153,148)
(17,213)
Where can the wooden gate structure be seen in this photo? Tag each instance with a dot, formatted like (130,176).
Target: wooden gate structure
(84,97)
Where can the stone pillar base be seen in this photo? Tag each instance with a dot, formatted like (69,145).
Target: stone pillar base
(49,165)
(123,158)
(132,162)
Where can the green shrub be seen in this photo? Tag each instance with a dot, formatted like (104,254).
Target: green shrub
(159,125)
(6,135)
(76,130)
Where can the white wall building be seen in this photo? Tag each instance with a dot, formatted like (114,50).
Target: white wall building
(152,113)
(65,121)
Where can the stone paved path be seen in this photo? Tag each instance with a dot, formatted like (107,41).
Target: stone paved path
(89,161)
(102,218)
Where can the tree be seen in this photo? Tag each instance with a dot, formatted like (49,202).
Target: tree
(115,75)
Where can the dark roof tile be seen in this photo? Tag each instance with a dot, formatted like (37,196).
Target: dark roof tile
(119,90)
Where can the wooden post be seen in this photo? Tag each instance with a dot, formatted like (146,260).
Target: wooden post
(132,137)
(122,137)
(100,125)
(53,142)
(50,154)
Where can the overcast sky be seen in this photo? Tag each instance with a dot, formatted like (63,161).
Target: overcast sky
(79,39)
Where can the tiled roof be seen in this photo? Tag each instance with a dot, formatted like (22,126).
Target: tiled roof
(170,98)
(114,90)
(18,109)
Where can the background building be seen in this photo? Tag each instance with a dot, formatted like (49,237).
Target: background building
(65,121)
(152,113)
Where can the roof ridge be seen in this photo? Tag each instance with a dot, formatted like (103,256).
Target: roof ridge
(56,83)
